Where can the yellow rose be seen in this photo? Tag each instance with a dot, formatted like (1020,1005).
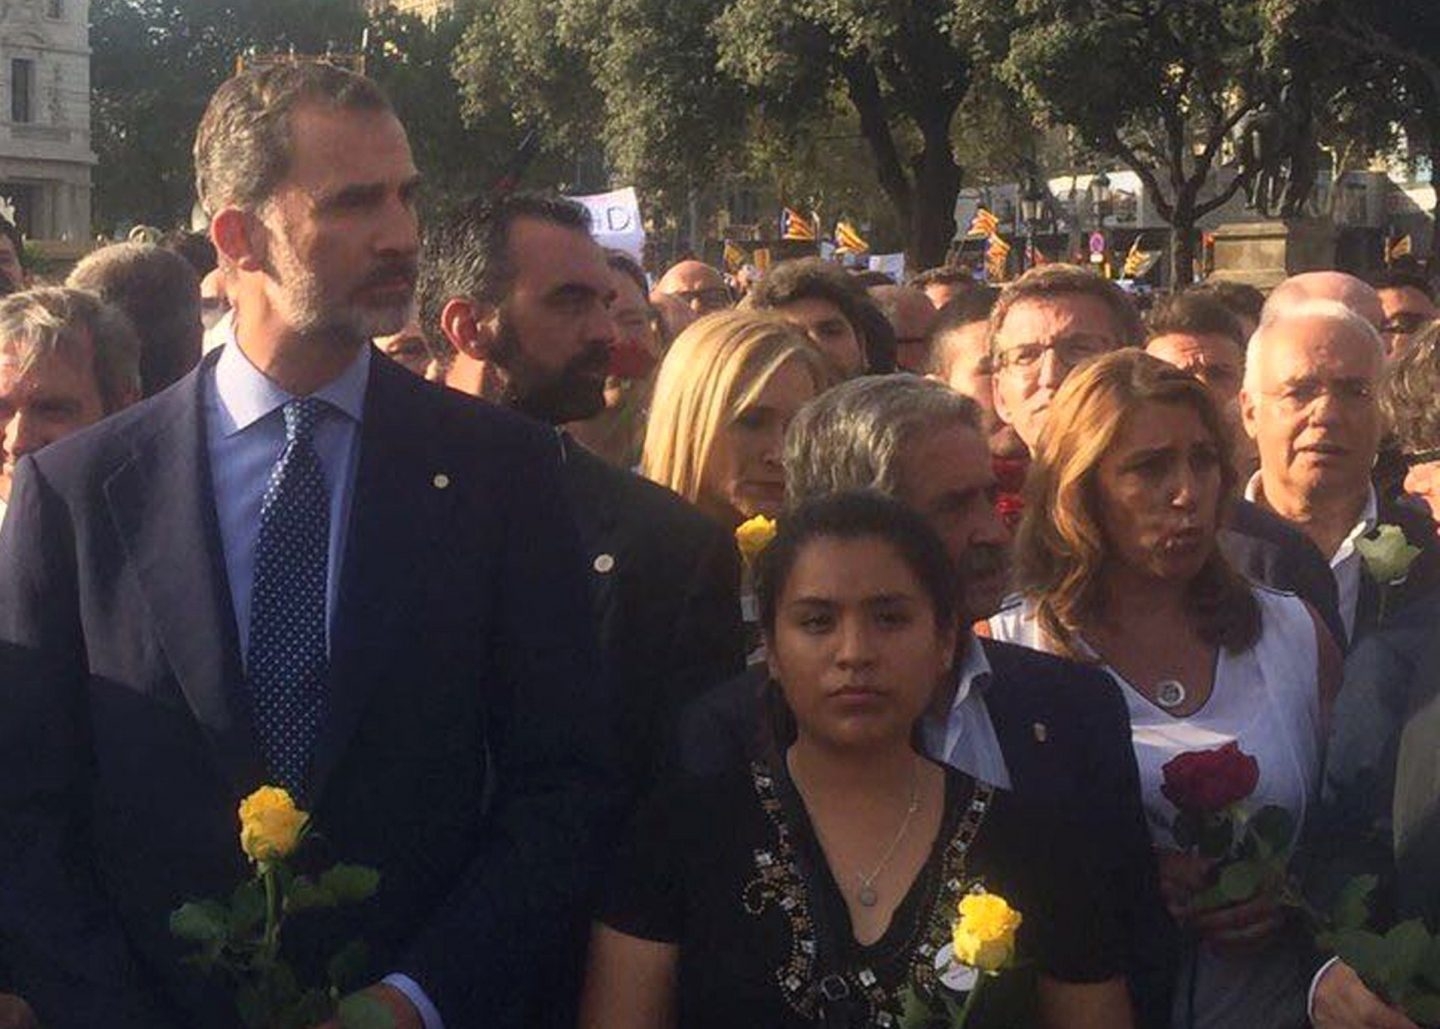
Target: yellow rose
(985,931)
(754,536)
(270,824)
(1387,554)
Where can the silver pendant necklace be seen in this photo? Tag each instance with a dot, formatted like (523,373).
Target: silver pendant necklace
(1170,693)
(867,895)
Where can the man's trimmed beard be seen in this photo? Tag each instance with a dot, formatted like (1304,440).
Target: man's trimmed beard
(574,393)
(309,312)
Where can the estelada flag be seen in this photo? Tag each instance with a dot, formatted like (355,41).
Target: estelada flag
(983,224)
(848,239)
(735,257)
(1399,248)
(793,226)
(996,246)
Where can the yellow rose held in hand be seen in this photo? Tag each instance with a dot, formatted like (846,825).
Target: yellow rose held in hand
(270,824)
(754,536)
(1388,555)
(985,931)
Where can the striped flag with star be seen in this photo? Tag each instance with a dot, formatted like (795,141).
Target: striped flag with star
(1137,261)
(983,224)
(848,240)
(1399,248)
(997,254)
(735,257)
(796,226)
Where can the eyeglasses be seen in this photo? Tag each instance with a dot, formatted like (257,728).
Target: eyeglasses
(1068,352)
(1422,457)
(1301,396)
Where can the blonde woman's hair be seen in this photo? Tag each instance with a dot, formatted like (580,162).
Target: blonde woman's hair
(1062,553)
(713,371)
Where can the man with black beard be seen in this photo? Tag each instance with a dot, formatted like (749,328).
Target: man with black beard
(1055,732)
(522,293)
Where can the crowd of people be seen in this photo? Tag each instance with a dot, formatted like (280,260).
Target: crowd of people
(433,523)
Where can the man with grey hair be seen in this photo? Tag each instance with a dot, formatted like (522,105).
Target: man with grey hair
(160,292)
(1309,401)
(1054,731)
(1340,287)
(174,632)
(67,360)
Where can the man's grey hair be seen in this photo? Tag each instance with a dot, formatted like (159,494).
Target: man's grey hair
(49,319)
(1332,311)
(851,436)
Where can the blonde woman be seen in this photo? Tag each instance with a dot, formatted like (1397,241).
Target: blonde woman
(1117,564)
(724,396)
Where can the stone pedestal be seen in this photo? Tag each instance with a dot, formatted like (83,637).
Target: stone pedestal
(1261,254)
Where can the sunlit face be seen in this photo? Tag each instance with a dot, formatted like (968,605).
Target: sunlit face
(1314,415)
(1158,487)
(1039,343)
(634,318)
(56,396)
(556,325)
(743,476)
(341,234)
(945,475)
(1407,311)
(829,330)
(855,646)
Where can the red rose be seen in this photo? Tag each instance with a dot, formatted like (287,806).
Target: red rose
(1210,780)
(630,361)
(1009,507)
(1010,473)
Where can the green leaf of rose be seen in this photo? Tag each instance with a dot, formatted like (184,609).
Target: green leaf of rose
(1273,827)
(1363,951)
(247,908)
(1241,881)
(1352,908)
(362,1011)
(1430,966)
(350,884)
(346,967)
(306,894)
(1407,945)
(1423,1008)
(200,920)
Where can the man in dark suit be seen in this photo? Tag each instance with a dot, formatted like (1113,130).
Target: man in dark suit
(521,291)
(1310,402)
(1054,731)
(299,565)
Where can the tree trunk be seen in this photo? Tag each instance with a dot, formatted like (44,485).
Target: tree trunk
(1182,248)
(932,207)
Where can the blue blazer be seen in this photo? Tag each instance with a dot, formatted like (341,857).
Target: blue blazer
(462,754)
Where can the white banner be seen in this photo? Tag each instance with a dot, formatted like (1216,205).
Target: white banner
(892,265)
(615,220)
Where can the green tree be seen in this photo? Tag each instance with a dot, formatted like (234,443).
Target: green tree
(1398,38)
(1156,84)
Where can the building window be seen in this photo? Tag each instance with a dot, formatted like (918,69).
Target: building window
(55,9)
(22,90)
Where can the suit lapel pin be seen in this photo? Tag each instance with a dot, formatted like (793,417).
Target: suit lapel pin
(441,481)
(1041,732)
(604,563)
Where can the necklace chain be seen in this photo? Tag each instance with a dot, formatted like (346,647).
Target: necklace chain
(867,895)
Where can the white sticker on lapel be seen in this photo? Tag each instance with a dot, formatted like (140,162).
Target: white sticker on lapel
(604,563)
(954,975)
(441,481)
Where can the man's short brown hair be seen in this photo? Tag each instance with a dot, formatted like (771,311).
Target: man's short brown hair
(1051,281)
(243,147)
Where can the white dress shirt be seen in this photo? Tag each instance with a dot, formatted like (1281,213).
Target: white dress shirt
(1345,563)
(966,738)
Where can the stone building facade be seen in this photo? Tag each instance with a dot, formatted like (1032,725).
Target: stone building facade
(45,155)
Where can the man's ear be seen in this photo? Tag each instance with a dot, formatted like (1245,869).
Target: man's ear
(470,326)
(239,236)
(1247,412)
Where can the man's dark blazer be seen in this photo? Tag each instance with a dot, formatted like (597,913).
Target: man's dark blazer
(463,752)
(1269,550)
(1064,731)
(665,581)
(1422,579)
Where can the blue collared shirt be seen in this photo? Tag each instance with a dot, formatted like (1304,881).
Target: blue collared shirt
(244,434)
(966,738)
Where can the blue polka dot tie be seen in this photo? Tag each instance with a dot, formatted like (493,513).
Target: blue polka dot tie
(287,660)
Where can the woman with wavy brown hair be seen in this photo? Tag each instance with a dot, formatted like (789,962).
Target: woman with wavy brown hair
(1117,564)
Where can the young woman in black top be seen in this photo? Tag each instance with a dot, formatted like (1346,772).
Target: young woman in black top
(820,887)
